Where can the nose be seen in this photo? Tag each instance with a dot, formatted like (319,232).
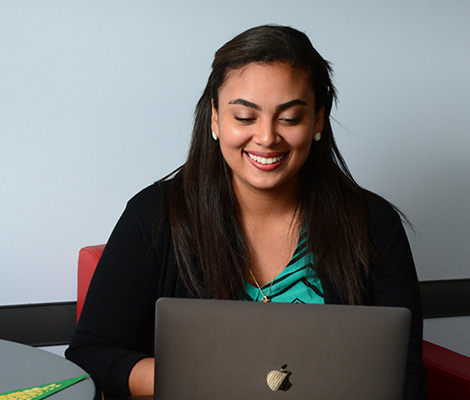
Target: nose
(265,134)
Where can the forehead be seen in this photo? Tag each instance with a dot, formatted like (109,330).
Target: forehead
(260,79)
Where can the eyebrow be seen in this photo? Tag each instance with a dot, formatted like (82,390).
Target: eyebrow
(280,107)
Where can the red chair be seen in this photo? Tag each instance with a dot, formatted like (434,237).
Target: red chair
(88,258)
(448,372)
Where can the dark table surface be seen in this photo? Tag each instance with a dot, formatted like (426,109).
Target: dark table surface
(24,366)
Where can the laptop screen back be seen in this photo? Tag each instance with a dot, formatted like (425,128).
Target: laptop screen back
(211,349)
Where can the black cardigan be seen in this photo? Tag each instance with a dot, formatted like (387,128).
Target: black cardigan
(116,326)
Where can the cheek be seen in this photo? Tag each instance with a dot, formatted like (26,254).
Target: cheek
(231,142)
(302,142)
(233,136)
(231,152)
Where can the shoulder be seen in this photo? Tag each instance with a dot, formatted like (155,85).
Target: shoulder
(385,222)
(148,209)
(381,211)
(153,192)
(152,196)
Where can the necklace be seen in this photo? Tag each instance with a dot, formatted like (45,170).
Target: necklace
(265,298)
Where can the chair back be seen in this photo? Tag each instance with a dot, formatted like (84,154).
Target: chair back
(88,258)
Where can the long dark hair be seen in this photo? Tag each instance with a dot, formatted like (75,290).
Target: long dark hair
(210,247)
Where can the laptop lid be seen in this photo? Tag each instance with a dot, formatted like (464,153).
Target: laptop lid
(216,349)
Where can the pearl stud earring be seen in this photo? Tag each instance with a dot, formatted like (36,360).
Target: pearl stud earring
(214,136)
(317,136)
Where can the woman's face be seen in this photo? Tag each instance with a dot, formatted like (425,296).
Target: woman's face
(265,123)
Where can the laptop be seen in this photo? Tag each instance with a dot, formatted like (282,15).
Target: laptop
(239,350)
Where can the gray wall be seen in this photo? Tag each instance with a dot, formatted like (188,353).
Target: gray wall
(97,100)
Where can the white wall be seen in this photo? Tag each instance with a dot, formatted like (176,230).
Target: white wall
(97,99)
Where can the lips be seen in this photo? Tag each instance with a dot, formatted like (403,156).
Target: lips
(266,161)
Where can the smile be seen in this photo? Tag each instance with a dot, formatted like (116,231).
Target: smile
(265,161)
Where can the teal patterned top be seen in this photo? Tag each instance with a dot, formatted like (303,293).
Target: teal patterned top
(297,283)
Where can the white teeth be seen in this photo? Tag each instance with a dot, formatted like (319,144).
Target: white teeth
(265,161)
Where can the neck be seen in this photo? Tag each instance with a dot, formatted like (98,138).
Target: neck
(271,228)
(266,204)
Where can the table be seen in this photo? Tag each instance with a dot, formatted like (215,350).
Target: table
(23,366)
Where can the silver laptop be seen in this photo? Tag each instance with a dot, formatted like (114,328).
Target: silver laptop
(238,350)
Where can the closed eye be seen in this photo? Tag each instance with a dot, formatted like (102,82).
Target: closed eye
(244,120)
(291,121)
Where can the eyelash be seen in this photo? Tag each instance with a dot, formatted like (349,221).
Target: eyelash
(290,121)
(244,120)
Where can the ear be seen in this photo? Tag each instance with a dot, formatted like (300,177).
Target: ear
(319,120)
(214,119)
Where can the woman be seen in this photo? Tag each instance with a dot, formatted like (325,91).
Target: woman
(264,209)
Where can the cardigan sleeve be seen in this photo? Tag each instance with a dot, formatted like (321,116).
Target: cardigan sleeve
(116,325)
(394,282)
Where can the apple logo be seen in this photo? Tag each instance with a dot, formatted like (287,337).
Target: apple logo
(278,379)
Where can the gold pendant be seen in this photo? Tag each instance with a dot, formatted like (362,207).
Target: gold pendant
(265,299)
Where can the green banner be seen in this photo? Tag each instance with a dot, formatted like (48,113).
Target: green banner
(39,392)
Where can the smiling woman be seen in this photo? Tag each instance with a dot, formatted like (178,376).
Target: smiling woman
(265,122)
(264,209)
